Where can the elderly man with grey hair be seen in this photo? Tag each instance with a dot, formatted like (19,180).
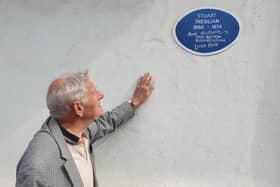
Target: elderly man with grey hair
(61,153)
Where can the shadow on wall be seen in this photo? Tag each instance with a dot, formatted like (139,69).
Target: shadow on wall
(266,143)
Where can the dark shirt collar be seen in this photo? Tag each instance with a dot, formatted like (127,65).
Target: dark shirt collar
(69,137)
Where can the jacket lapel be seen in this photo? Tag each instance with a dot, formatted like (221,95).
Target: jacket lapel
(69,164)
(73,173)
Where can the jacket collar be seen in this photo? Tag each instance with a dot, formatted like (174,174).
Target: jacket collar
(68,136)
(71,138)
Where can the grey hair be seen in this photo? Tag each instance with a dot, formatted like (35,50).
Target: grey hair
(61,96)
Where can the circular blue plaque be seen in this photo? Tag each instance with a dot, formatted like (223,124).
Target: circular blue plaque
(206,31)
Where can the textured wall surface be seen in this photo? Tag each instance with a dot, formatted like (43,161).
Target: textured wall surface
(211,122)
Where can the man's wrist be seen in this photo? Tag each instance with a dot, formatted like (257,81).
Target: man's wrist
(132,104)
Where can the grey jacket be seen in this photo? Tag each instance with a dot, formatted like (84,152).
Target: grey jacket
(47,160)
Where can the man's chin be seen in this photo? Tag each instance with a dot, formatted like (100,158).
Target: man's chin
(99,114)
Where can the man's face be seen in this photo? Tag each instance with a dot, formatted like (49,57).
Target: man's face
(93,108)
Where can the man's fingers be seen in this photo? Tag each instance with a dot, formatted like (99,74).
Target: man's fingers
(152,83)
(150,80)
(139,80)
(146,79)
(149,77)
(142,79)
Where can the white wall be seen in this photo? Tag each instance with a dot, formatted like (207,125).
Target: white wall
(211,122)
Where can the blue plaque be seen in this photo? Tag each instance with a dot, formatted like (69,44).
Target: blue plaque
(206,31)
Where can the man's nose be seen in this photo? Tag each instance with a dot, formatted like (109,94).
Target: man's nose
(100,95)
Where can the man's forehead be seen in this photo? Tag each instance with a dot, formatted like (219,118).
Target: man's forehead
(90,85)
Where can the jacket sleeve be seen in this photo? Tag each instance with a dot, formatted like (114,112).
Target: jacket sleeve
(28,182)
(28,177)
(32,169)
(109,121)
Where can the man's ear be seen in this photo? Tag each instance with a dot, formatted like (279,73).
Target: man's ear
(78,109)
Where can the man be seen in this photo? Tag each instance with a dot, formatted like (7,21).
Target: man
(60,153)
